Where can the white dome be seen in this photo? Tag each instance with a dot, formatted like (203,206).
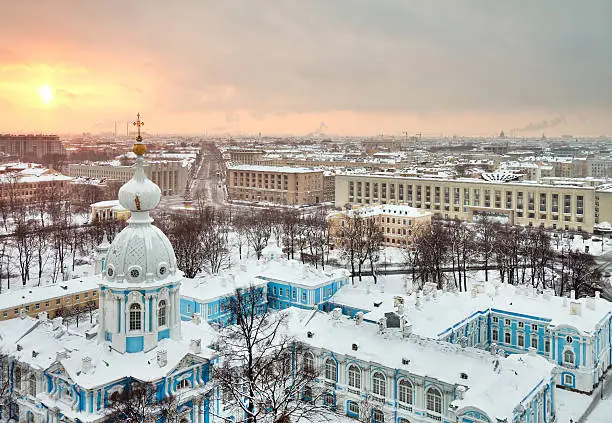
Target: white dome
(140,253)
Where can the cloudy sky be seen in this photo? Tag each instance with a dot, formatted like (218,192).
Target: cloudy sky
(284,66)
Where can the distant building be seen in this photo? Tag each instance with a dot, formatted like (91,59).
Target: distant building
(252,157)
(398,223)
(329,187)
(170,175)
(28,183)
(563,206)
(109,210)
(279,185)
(30,146)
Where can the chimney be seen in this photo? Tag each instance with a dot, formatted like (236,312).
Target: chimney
(417,302)
(57,322)
(532,351)
(573,294)
(336,313)
(86,364)
(382,324)
(195,346)
(597,295)
(359,318)
(381,286)
(461,392)
(162,358)
(434,293)
(575,308)
(61,355)
(196,319)
(590,303)
(548,293)
(22,313)
(43,316)
(397,300)
(407,329)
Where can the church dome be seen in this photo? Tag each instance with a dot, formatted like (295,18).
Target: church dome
(141,253)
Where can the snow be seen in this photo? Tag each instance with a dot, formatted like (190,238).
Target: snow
(40,342)
(571,405)
(390,209)
(428,321)
(274,169)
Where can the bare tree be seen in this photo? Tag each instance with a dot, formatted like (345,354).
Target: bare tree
(581,274)
(24,240)
(485,238)
(7,393)
(432,244)
(261,374)
(185,233)
(138,403)
(291,227)
(259,231)
(215,244)
(462,251)
(350,236)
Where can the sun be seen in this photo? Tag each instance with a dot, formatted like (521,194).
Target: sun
(46,94)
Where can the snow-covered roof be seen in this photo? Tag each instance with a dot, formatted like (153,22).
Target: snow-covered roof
(105,203)
(17,297)
(429,322)
(443,361)
(258,273)
(40,341)
(273,169)
(391,209)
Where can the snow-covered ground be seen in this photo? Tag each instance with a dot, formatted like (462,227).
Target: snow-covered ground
(571,405)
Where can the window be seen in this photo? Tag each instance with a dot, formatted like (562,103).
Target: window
(331,370)
(507,322)
(507,337)
(378,416)
(135,320)
(5,314)
(307,394)
(568,380)
(353,409)
(308,362)
(37,306)
(521,324)
(405,391)
(495,335)
(534,342)
(521,340)
(303,297)
(434,400)
(161,313)
(17,377)
(547,346)
(329,400)
(569,339)
(534,327)
(32,387)
(495,319)
(76,297)
(280,292)
(189,308)
(568,357)
(354,377)
(183,384)
(378,384)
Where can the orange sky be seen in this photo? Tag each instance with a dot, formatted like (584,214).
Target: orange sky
(360,69)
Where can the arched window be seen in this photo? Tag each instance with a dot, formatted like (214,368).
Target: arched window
(330,370)
(135,319)
(307,394)
(308,362)
(17,377)
(161,313)
(378,416)
(405,391)
(569,357)
(354,377)
(434,400)
(378,384)
(32,387)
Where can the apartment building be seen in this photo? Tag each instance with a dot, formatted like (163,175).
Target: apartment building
(252,157)
(568,207)
(30,146)
(279,185)
(170,175)
(27,183)
(397,222)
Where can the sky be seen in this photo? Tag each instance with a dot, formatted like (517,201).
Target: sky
(360,67)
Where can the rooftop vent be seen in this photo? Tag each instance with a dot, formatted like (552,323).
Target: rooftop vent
(464,376)
(405,361)
(309,334)
(355,347)
(162,358)
(377,303)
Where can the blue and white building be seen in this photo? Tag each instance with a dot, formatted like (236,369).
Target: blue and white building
(55,374)
(283,283)
(573,334)
(386,374)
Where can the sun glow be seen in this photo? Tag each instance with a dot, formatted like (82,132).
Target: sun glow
(46,94)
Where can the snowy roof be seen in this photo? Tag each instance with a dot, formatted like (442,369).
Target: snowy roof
(106,203)
(278,169)
(392,209)
(428,321)
(39,342)
(257,273)
(429,358)
(17,297)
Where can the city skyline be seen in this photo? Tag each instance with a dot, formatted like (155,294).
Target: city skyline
(471,69)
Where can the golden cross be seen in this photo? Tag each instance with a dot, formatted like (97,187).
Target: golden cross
(138,124)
